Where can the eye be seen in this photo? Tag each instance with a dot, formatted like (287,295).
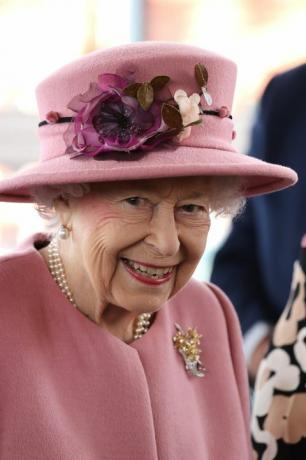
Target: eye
(135,201)
(193,208)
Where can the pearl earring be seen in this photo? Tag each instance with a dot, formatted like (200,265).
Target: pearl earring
(63,232)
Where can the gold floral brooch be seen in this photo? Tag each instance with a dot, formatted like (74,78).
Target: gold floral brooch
(187,343)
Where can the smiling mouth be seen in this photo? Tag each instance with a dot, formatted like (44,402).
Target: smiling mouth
(154,273)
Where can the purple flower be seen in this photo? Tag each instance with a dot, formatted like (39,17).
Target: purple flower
(108,120)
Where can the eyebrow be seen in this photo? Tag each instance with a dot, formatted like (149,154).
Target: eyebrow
(192,194)
(151,188)
(195,195)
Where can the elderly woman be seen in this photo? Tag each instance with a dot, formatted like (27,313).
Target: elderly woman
(108,349)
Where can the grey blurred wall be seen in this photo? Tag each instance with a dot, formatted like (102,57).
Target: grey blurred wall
(18,139)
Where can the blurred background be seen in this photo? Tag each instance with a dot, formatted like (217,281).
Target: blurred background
(38,36)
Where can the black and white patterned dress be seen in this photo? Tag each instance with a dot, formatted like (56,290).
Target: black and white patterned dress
(279,411)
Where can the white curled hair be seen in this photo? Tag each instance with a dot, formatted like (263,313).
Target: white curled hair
(224,194)
(44,197)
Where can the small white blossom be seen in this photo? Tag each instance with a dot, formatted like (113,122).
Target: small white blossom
(206,95)
(189,110)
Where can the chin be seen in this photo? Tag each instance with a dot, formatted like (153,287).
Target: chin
(180,282)
(150,306)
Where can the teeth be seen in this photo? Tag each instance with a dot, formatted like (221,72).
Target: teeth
(152,272)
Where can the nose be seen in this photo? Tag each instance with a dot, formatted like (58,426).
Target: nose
(163,236)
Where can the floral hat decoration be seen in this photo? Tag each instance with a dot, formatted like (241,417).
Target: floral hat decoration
(140,111)
(119,114)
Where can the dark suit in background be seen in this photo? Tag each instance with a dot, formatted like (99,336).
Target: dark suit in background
(254,266)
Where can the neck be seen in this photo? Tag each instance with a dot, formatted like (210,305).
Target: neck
(119,322)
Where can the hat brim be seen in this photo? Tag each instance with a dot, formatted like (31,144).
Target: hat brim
(258,176)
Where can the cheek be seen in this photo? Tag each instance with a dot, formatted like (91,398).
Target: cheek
(194,244)
(105,237)
(94,232)
(102,247)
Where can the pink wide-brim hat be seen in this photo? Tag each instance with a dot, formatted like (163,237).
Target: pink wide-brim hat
(208,151)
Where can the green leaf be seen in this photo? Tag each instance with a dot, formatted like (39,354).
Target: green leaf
(171,116)
(197,122)
(132,89)
(201,74)
(145,95)
(159,82)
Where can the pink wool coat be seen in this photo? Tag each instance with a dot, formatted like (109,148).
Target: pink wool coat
(69,390)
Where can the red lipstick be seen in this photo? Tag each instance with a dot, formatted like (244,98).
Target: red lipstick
(145,279)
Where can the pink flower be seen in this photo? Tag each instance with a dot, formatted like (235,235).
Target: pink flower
(52,117)
(108,120)
(223,112)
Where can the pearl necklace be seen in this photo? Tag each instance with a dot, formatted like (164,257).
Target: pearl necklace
(58,273)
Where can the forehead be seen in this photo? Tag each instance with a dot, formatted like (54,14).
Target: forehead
(179,186)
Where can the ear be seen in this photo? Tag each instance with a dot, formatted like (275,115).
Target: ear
(63,210)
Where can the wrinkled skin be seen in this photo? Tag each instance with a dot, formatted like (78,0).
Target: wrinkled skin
(166,225)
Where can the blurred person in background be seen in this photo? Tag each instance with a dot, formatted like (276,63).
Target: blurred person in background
(255,263)
(279,408)
(101,323)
